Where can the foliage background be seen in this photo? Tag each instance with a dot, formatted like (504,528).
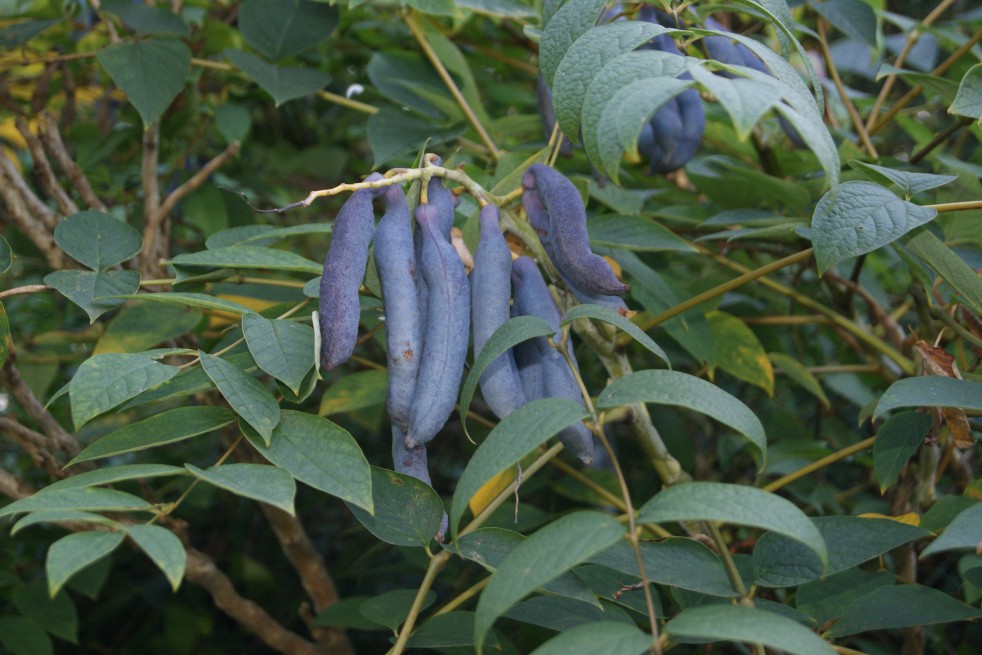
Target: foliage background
(164,108)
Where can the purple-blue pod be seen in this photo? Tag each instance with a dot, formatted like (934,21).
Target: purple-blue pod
(445,334)
(500,382)
(344,268)
(611,302)
(413,462)
(532,298)
(444,201)
(550,197)
(397,270)
(732,52)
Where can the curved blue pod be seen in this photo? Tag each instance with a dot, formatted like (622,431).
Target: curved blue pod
(344,268)
(557,212)
(444,201)
(500,383)
(549,373)
(445,333)
(395,262)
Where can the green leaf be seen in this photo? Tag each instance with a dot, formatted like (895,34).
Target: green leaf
(745,100)
(407,511)
(747,624)
(106,381)
(737,504)
(151,73)
(896,441)
(74,552)
(968,102)
(738,351)
(94,499)
(248,396)
(233,122)
(947,264)
(562,614)
(96,293)
(490,546)
(24,636)
(859,217)
(145,20)
(901,606)
(909,182)
(201,300)
(56,614)
(355,391)
(780,561)
(799,374)
(544,556)
(392,607)
(19,33)
(567,24)
(4,335)
(284,349)
(827,599)
(279,29)
(142,326)
(684,390)
(585,58)
(320,454)
(450,630)
(964,532)
(241,256)
(282,82)
(498,8)
(676,561)
(269,484)
(165,428)
(610,316)
(599,638)
(392,133)
(433,7)
(346,613)
(114,474)
(59,515)
(517,435)
(634,233)
(513,331)
(930,391)
(853,18)
(164,548)
(6,255)
(96,239)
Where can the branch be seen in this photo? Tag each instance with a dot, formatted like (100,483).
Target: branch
(42,169)
(155,215)
(11,379)
(51,136)
(35,444)
(33,225)
(201,570)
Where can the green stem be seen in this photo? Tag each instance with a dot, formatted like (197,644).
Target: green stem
(437,563)
(819,464)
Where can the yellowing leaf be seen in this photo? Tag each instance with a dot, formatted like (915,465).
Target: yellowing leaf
(910,518)
(738,351)
(491,489)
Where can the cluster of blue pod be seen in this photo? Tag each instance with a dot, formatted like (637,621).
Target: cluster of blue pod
(674,133)
(431,305)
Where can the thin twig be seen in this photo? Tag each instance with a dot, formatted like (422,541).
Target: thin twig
(51,136)
(912,37)
(344,101)
(916,91)
(10,378)
(857,122)
(412,21)
(938,139)
(819,464)
(19,291)
(42,169)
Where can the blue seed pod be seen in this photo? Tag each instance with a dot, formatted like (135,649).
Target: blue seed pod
(344,268)
(444,201)
(556,210)
(445,334)
(611,302)
(677,127)
(395,263)
(532,298)
(500,383)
